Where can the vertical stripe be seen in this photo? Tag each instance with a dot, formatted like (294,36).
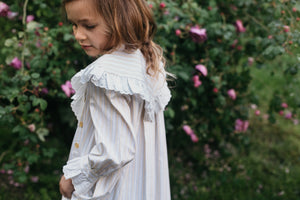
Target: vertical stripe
(108,122)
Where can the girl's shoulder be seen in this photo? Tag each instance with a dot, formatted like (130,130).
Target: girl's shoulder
(125,73)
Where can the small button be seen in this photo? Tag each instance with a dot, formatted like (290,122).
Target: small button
(80,124)
(76,145)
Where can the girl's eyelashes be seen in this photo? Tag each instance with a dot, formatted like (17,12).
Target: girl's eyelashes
(89,26)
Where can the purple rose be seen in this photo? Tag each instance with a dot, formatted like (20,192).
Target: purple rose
(241,126)
(29,18)
(196,81)
(16,63)
(67,88)
(187,129)
(250,61)
(202,69)
(198,35)
(239,26)
(288,115)
(231,93)
(4,9)
(34,179)
(44,91)
(11,15)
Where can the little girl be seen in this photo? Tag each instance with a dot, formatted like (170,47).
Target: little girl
(119,148)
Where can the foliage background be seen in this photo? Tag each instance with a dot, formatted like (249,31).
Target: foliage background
(200,165)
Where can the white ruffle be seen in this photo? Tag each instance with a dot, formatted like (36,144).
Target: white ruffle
(156,97)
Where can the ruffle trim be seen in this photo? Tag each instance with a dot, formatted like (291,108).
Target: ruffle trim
(154,100)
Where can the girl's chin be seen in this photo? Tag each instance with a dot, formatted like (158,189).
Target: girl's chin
(92,53)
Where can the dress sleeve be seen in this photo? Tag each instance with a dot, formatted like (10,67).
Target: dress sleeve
(115,143)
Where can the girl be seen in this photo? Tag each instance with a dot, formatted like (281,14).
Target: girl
(119,148)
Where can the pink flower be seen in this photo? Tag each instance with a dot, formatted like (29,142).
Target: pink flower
(44,91)
(239,48)
(11,15)
(231,93)
(16,63)
(253,106)
(241,126)
(286,29)
(26,169)
(281,112)
(250,61)
(67,88)
(215,90)
(17,184)
(270,36)
(294,9)
(34,179)
(198,35)
(257,112)
(239,26)
(187,129)
(288,115)
(10,172)
(233,7)
(194,138)
(234,43)
(202,69)
(296,121)
(178,32)
(266,116)
(31,127)
(162,5)
(284,105)
(2,171)
(196,81)
(4,9)
(29,18)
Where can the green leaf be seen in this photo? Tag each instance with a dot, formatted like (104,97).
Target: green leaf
(2,111)
(35,101)
(9,42)
(35,75)
(41,133)
(68,37)
(43,104)
(183,75)
(25,78)
(38,101)
(170,113)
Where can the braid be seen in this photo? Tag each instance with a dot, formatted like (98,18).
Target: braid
(153,54)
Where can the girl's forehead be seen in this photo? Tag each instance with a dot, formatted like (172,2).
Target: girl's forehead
(81,10)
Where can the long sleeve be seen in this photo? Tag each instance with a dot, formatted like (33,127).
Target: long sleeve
(114,147)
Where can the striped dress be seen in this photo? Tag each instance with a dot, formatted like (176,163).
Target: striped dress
(119,148)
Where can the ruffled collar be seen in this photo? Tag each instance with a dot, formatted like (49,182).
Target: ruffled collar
(124,73)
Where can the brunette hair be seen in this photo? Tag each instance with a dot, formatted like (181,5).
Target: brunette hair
(131,23)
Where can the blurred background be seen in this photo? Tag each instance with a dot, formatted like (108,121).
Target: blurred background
(232,125)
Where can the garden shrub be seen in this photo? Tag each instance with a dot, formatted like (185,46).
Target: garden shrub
(210,47)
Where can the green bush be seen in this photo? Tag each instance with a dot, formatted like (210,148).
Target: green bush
(210,47)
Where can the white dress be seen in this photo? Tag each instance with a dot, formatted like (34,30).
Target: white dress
(119,148)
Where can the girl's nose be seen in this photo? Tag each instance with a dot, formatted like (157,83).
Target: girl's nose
(79,34)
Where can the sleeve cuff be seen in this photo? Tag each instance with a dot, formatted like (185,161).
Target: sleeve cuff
(82,178)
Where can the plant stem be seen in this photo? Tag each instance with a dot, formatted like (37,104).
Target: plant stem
(24,12)
(24,39)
